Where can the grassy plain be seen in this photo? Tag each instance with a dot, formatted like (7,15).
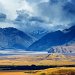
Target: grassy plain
(53,59)
(51,71)
(44,59)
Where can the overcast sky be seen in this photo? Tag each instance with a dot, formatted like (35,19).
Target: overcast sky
(56,13)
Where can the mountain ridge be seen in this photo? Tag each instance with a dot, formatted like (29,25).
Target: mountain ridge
(54,39)
(14,38)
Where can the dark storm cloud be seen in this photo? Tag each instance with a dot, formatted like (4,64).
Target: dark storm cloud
(69,7)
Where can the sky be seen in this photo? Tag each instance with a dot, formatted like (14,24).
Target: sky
(55,14)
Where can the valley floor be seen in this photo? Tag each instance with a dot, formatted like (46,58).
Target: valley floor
(39,59)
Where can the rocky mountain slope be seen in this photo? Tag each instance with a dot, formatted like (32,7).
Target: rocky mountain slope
(62,49)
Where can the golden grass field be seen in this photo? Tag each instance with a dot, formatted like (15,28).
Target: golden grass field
(44,59)
(58,71)
(53,59)
(51,71)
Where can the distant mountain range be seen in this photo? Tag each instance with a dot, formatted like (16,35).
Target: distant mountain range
(56,38)
(12,38)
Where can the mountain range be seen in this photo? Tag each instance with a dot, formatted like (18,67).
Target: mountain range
(56,38)
(12,38)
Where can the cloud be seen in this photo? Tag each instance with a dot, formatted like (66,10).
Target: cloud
(2,17)
(11,6)
(36,1)
(56,14)
(7,24)
(70,7)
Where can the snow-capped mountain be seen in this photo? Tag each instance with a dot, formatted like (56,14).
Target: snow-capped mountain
(31,25)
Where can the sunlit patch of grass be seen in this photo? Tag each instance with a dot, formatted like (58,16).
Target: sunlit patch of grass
(57,71)
(63,72)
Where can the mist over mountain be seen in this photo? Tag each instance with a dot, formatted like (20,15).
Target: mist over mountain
(31,25)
